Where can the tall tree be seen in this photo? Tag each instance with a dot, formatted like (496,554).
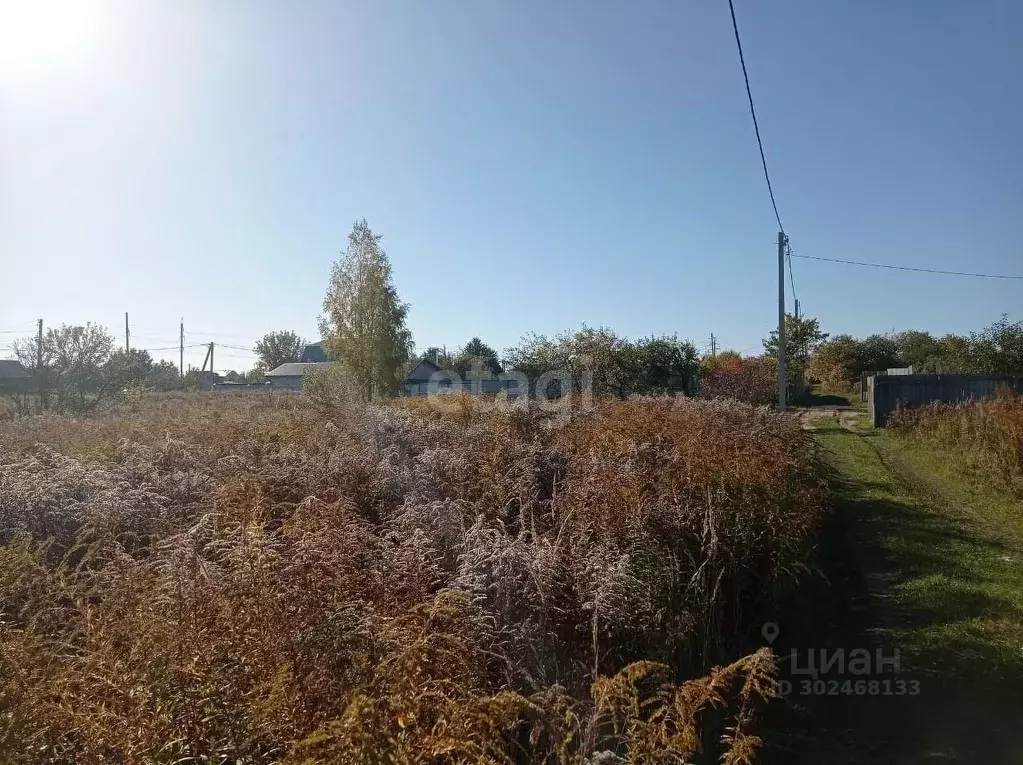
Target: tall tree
(835,361)
(916,349)
(877,353)
(364,320)
(278,348)
(131,366)
(665,364)
(476,353)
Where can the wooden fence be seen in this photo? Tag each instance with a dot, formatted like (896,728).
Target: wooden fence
(886,393)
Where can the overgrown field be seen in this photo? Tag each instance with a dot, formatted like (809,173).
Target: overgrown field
(218,578)
(988,433)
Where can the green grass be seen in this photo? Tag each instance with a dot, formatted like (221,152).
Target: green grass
(921,558)
(947,552)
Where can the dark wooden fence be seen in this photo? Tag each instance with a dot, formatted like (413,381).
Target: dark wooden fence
(886,393)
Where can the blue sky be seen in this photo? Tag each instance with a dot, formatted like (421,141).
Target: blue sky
(531,165)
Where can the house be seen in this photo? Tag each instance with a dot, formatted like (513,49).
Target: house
(418,380)
(289,376)
(314,353)
(421,381)
(14,378)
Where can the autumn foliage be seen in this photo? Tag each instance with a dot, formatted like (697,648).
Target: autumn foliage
(752,379)
(223,578)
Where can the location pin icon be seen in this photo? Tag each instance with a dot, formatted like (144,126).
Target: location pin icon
(770,632)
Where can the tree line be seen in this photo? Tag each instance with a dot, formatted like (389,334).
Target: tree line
(364,324)
(842,359)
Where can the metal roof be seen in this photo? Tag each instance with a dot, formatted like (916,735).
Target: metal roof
(295,368)
(10,369)
(314,352)
(421,371)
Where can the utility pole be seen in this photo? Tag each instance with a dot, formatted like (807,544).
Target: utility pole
(40,381)
(713,345)
(127,334)
(211,358)
(181,349)
(782,381)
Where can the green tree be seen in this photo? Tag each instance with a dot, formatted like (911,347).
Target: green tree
(476,353)
(998,348)
(128,367)
(165,376)
(802,337)
(536,355)
(608,359)
(194,379)
(364,321)
(604,357)
(257,374)
(74,375)
(278,348)
(834,362)
(917,349)
(876,353)
(665,364)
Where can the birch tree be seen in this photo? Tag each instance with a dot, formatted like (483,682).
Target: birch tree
(363,320)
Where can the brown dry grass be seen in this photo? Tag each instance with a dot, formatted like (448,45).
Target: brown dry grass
(250,579)
(988,433)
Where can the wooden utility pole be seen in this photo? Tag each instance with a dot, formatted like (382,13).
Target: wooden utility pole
(181,349)
(40,376)
(782,380)
(127,334)
(211,358)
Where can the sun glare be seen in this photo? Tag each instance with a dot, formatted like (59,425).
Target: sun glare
(42,36)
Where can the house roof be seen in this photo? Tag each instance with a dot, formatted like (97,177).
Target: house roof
(295,368)
(10,369)
(314,352)
(422,371)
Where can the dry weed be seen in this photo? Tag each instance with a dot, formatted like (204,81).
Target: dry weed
(250,579)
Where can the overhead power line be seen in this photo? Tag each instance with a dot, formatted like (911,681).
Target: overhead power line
(906,268)
(176,347)
(753,114)
(792,281)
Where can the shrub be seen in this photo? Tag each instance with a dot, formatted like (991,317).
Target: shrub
(331,386)
(989,432)
(245,578)
(749,379)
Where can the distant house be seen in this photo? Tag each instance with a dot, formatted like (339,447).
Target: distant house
(421,381)
(314,353)
(14,378)
(418,380)
(289,376)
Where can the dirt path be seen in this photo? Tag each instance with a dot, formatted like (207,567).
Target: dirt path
(918,562)
(811,417)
